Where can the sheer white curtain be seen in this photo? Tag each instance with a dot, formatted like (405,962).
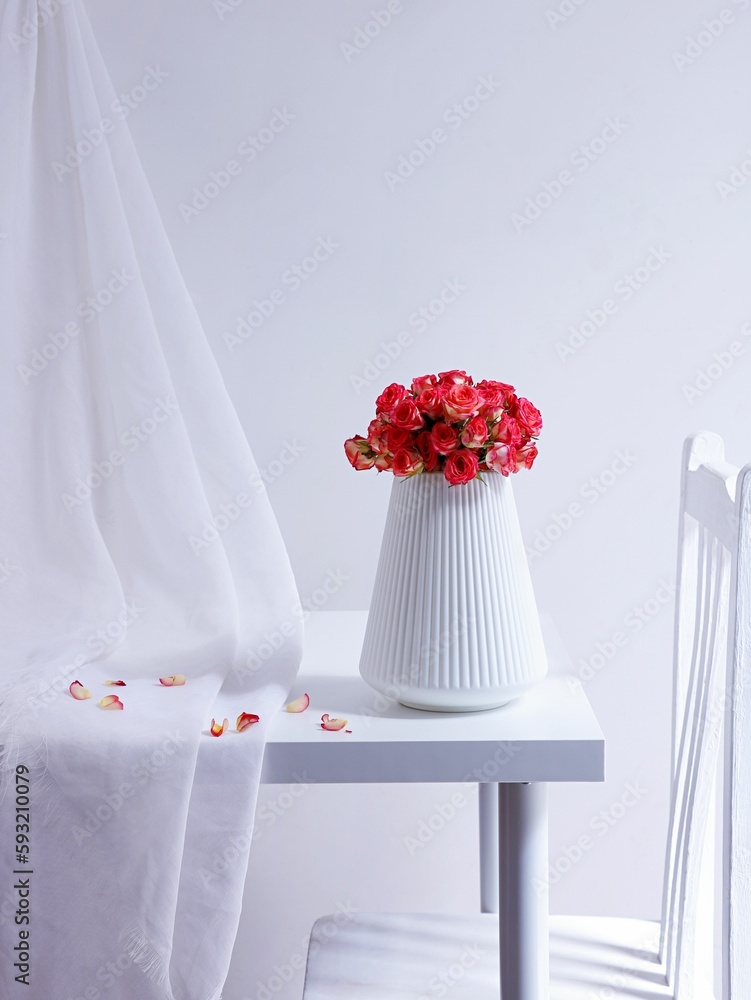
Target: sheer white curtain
(136,541)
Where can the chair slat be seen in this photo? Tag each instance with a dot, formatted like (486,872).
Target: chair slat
(693,571)
(702,781)
(736,823)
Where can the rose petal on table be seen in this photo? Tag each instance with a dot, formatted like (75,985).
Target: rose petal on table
(245,720)
(299,704)
(112,702)
(218,729)
(332,725)
(115,684)
(79,692)
(174,680)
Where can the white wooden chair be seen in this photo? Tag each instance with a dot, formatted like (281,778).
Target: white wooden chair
(383,956)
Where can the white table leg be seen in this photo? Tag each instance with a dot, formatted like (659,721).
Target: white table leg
(488,802)
(523,912)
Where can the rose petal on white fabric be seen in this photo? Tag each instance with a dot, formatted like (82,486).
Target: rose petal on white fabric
(79,692)
(245,720)
(174,680)
(112,703)
(219,729)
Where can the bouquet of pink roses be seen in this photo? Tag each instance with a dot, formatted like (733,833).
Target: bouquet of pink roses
(446,423)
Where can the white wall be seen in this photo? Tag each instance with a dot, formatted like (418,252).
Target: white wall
(557,83)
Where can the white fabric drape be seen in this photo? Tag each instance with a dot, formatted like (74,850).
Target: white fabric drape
(136,541)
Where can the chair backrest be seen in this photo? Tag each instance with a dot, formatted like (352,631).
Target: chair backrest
(712,618)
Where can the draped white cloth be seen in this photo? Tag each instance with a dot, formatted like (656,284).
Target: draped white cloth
(136,541)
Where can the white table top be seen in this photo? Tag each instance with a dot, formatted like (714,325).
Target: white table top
(550,734)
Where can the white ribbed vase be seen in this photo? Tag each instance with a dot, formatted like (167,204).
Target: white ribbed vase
(453,624)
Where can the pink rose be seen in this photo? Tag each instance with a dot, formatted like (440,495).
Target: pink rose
(475,433)
(405,414)
(501,458)
(360,454)
(526,455)
(390,396)
(461,402)
(496,397)
(377,429)
(506,431)
(444,438)
(407,462)
(454,377)
(461,467)
(396,438)
(430,402)
(529,416)
(424,445)
(383,462)
(422,383)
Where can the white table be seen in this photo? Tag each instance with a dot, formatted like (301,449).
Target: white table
(549,735)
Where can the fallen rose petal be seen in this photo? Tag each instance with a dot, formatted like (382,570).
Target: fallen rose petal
(245,720)
(217,729)
(115,684)
(332,725)
(299,704)
(112,702)
(347,730)
(174,680)
(79,692)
